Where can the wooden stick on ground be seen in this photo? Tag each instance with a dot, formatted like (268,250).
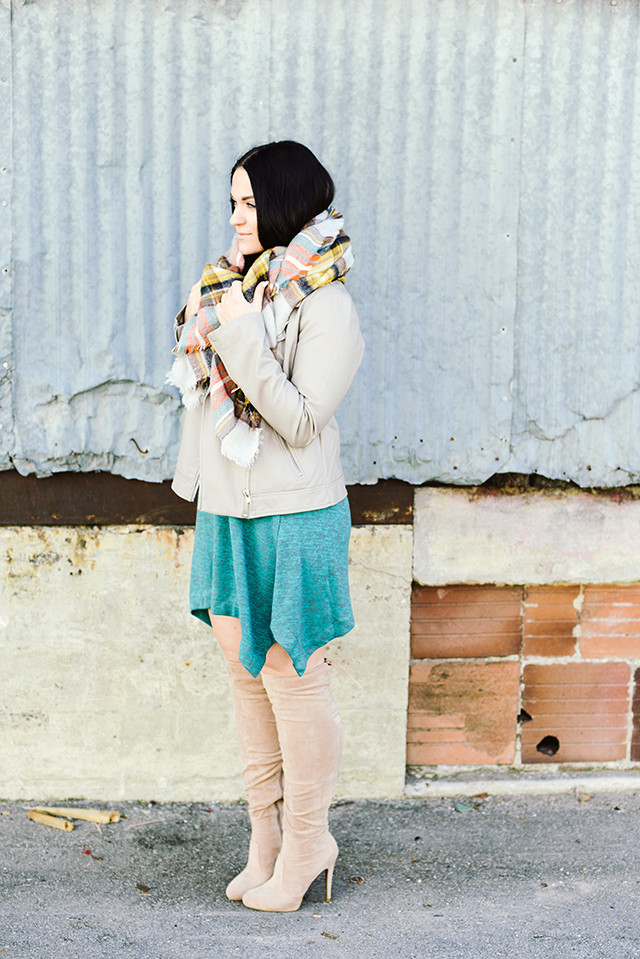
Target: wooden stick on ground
(53,821)
(88,815)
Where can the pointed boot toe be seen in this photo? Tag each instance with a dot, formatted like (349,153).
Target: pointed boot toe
(263,852)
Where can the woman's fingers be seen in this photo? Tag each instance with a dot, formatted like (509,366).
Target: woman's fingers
(258,294)
(233,304)
(235,293)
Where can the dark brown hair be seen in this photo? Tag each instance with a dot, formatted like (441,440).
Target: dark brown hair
(290,186)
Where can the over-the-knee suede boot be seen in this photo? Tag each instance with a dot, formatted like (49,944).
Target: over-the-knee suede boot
(262,776)
(310,734)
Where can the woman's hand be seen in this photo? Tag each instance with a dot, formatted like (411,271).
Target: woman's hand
(233,303)
(193,303)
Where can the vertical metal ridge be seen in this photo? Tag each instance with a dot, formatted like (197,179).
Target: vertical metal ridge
(7,440)
(577,376)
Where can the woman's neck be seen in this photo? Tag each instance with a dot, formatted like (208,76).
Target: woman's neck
(249,260)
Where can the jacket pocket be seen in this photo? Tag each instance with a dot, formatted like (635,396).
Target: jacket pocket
(291,456)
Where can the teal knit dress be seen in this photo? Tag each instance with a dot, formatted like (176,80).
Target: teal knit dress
(285,577)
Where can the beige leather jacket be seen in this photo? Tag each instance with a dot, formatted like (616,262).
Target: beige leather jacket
(296,389)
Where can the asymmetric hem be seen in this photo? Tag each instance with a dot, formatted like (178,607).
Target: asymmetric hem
(285,577)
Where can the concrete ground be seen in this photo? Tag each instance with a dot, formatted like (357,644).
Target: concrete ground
(465,878)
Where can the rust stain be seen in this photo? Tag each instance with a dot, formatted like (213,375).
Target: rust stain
(172,539)
(101,499)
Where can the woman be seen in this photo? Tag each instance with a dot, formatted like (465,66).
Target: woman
(268,345)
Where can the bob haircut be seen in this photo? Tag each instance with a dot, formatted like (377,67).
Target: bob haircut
(290,187)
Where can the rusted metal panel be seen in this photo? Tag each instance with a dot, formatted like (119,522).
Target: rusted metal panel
(102,499)
(88,499)
(387,502)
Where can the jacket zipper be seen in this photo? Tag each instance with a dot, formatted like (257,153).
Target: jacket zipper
(246,492)
(292,458)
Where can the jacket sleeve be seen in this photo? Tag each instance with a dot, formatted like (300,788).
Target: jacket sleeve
(328,355)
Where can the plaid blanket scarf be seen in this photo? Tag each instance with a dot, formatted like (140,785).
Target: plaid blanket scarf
(319,254)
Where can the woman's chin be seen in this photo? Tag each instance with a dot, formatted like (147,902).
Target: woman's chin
(248,247)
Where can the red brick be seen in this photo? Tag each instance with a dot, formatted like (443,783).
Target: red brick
(444,754)
(465,621)
(611,594)
(549,620)
(635,741)
(417,717)
(579,754)
(580,694)
(625,647)
(577,673)
(465,595)
(610,622)
(574,735)
(551,599)
(477,610)
(611,627)
(443,736)
(467,626)
(462,712)
(609,611)
(584,705)
(553,628)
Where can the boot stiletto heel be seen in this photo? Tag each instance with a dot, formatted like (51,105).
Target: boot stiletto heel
(328,878)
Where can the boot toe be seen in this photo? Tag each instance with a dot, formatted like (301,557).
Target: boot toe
(266,899)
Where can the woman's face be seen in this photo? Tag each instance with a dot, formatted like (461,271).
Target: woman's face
(245,216)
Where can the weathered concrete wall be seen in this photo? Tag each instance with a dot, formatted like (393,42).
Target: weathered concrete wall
(476,536)
(110,689)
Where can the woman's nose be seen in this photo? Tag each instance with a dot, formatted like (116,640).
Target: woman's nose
(236,217)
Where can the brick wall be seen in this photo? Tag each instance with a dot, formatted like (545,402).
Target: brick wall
(524,674)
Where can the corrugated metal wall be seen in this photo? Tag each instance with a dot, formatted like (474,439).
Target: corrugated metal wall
(484,156)
(576,406)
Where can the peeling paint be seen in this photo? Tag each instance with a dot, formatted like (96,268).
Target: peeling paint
(40,559)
